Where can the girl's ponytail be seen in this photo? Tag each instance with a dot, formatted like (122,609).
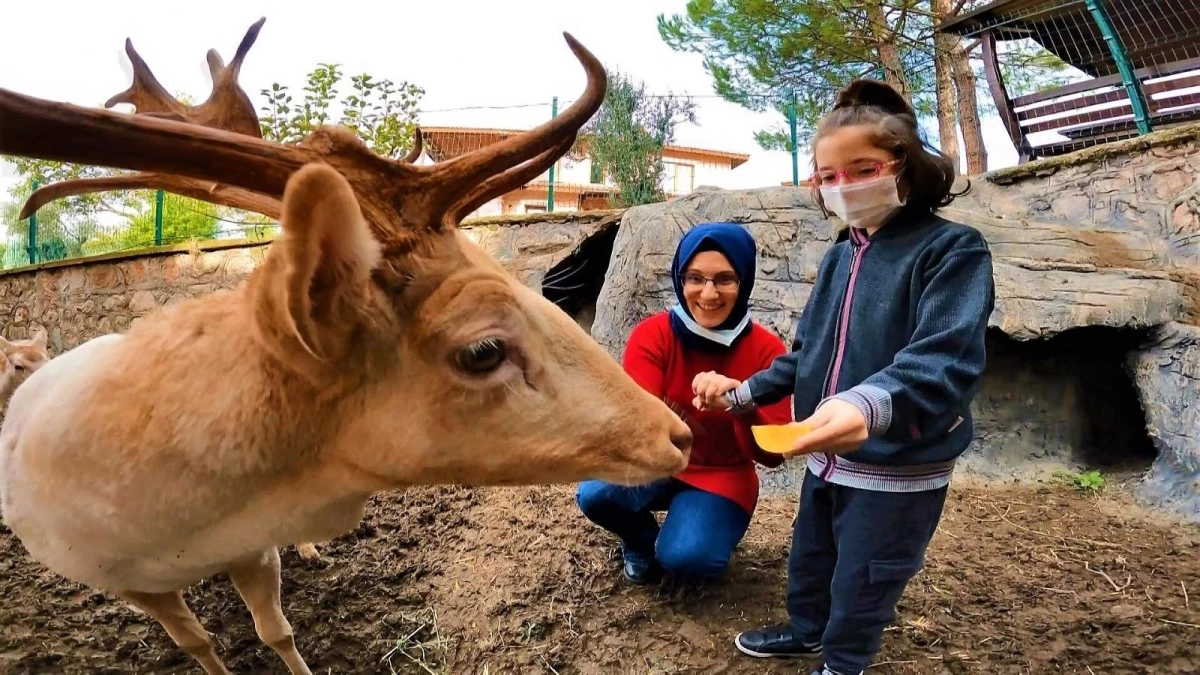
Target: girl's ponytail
(873,93)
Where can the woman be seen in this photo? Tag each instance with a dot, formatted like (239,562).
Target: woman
(709,505)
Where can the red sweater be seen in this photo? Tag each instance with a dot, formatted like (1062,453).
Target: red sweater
(724,451)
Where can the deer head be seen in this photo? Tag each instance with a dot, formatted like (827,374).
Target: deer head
(430,361)
(19,359)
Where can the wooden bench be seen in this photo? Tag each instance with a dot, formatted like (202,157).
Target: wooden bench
(1064,110)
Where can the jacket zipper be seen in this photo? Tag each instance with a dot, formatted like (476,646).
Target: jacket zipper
(858,247)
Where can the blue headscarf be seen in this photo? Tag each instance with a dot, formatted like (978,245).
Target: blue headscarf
(737,244)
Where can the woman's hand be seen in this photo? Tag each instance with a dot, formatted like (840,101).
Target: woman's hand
(710,388)
(837,426)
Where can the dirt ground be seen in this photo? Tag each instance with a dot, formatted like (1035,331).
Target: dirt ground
(1018,580)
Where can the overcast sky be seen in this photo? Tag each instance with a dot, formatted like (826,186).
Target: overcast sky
(465,53)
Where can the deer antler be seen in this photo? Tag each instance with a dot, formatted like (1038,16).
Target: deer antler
(509,180)
(227,107)
(398,199)
(467,171)
(206,191)
(417,147)
(216,193)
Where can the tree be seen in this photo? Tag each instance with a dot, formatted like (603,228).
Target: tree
(758,50)
(627,135)
(183,219)
(380,112)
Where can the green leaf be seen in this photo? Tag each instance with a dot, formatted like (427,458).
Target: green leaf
(625,138)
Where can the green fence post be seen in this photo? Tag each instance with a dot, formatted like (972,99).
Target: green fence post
(158,215)
(1133,88)
(791,115)
(550,190)
(33,231)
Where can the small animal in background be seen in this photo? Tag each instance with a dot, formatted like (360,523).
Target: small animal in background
(18,360)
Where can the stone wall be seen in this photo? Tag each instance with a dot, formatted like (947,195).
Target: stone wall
(78,300)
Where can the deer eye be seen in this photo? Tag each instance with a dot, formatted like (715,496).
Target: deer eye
(480,358)
(19,367)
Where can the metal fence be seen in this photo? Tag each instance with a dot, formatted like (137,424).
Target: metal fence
(120,221)
(1097,70)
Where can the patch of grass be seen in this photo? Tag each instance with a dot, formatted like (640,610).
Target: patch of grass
(1088,481)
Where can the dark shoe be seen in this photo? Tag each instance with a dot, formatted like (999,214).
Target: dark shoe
(775,642)
(641,569)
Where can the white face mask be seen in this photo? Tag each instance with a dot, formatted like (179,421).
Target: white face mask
(864,205)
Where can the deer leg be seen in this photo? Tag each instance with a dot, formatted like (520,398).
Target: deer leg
(257,581)
(307,550)
(181,624)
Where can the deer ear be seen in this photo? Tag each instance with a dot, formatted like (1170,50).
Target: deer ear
(327,254)
(39,338)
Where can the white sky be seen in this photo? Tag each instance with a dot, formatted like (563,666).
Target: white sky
(463,52)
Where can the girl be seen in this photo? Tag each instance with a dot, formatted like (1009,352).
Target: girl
(885,362)
(708,505)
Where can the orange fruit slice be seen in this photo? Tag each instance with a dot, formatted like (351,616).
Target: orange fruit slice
(779,438)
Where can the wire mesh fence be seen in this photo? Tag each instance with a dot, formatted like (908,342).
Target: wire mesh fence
(121,221)
(1070,74)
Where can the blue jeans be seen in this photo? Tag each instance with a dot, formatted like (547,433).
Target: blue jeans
(697,537)
(853,553)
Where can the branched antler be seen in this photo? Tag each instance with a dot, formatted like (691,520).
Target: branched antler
(227,107)
(399,199)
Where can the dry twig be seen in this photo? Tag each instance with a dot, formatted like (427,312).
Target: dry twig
(1116,588)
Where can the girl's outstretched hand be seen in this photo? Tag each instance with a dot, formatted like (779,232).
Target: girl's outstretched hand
(709,388)
(837,427)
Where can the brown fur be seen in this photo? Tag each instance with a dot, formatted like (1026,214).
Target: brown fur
(220,428)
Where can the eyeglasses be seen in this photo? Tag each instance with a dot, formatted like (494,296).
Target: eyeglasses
(724,283)
(856,173)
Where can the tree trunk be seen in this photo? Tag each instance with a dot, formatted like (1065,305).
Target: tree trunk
(968,109)
(889,55)
(943,71)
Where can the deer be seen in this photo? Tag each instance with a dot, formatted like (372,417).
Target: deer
(18,360)
(375,348)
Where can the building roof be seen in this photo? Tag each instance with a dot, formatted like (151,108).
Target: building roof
(572,188)
(1153,32)
(446,142)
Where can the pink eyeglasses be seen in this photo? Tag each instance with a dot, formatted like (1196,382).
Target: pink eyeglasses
(855,173)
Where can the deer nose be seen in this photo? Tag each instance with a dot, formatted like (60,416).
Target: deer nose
(681,438)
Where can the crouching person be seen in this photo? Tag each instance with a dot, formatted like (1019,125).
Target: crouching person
(708,506)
